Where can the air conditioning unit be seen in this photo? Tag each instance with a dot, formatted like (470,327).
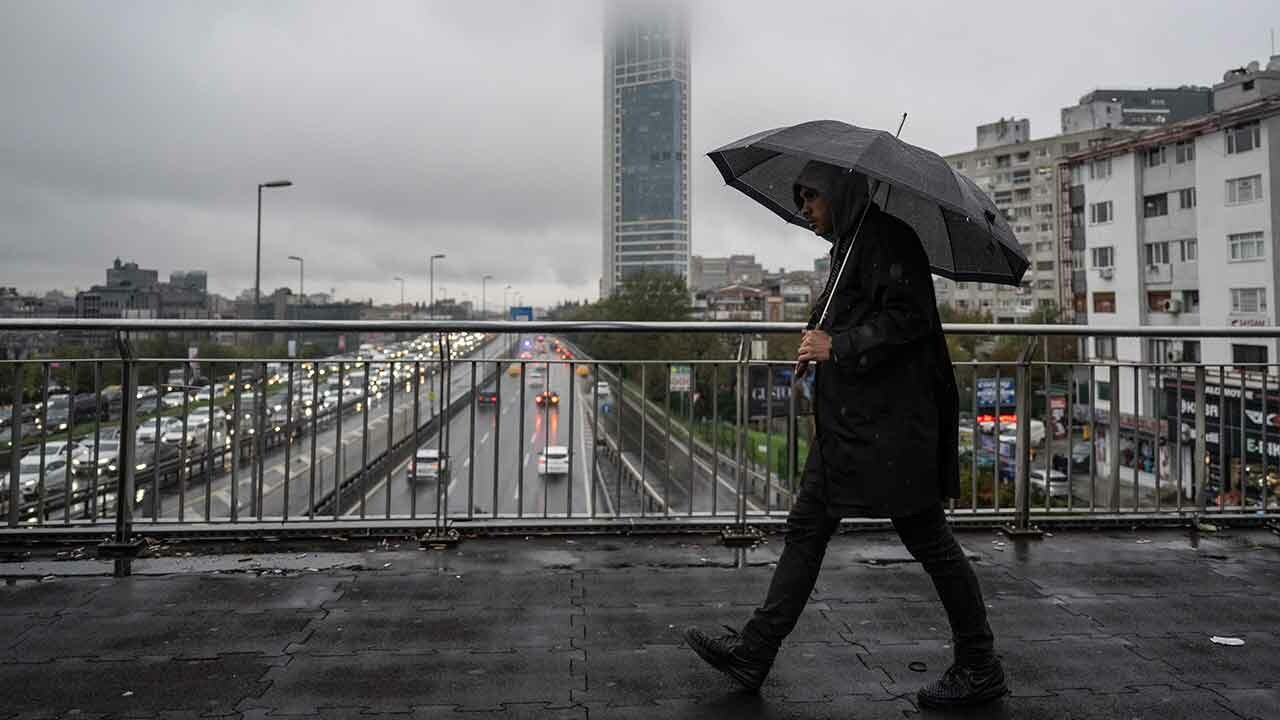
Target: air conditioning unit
(1106,273)
(1174,355)
(1172,306)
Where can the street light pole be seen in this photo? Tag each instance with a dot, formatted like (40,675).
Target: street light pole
(431,265)
(302,292)
(484,280)
(401,281)
(257,265)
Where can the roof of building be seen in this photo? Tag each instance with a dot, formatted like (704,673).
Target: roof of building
(1185,130)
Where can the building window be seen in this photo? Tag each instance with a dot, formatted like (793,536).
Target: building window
(1191,351)
(1046,227)
(1002,161)
(1021,177)
(1155,205)
(1184,151)
(1103,257)
(1244,189)
(1022,211)
(1252,354)
(1104,390)
(1042,152)
(1158,253)
(1191,304)
(1104,302)
(1100,212)
(1100,169)
(1044,246)
(1248,300)
(984,162)
(1189,249)
(1156,300)
(959,164)
(1022,194)
(1243,138)
(1104,348)
(1044,208)
(1043,265)
(1246,247)
(1155,156)
(1023,157)
(1071,147)
(1187,198)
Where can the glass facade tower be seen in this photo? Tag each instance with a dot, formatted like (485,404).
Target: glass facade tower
(646,140)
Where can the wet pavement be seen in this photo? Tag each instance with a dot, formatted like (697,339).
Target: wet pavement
(1102,624)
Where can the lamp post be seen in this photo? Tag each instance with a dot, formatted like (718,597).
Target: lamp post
(484,280)
(505,305)
(302,293)
(401,281)
(257,265)
(431,265)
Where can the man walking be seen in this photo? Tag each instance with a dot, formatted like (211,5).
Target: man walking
(885,405)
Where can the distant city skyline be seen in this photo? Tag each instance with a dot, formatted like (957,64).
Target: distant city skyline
(415,128)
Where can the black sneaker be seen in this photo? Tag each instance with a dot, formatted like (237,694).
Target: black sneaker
(960,686)
(729,654)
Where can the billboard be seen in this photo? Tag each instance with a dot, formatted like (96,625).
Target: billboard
(985,389)
(521,312)
(770,391)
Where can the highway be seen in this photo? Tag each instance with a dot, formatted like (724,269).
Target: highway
(491,468)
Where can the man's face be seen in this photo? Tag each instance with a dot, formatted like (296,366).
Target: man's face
(816,210)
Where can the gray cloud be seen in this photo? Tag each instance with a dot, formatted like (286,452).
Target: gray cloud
(141,129)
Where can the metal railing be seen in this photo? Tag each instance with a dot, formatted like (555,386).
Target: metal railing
(440,431)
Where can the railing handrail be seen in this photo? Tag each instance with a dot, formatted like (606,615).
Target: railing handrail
(587,326)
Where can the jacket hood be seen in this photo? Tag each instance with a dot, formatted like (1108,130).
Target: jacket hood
(846,192)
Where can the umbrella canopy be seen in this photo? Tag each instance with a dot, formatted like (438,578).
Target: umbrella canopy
(965,236)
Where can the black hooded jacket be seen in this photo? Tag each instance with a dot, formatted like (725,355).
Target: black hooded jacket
(886,402)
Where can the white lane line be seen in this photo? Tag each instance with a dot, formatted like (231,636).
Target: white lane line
(484,438)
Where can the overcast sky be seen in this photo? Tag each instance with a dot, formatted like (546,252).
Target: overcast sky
(141,129)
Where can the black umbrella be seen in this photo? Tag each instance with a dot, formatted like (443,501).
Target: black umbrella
(965,236)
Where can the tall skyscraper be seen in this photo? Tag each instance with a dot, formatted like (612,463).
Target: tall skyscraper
(646,140)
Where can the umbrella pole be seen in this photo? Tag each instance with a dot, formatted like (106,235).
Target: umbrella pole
(802,368)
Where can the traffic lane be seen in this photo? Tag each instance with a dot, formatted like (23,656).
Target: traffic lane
(563,424)
(325,440)
(375,493)
(194,494)
(411,498)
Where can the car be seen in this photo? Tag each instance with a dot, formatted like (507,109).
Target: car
(1081,459)
(174,399)
(603,390)
(1008,432)
(1058,486)
(513,370)
(55,461)
(108,449)
(428,465)
(536,378)
(583,371)
(547,398)
(553,460)
(147,392)
(487,396)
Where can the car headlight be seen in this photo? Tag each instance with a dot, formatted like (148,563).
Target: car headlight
(140,466)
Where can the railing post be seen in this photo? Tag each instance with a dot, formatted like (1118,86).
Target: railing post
(1200,460)
(1113,442)
(123,547)
(739,535)
(15,445)
(440,535)
(1022,526)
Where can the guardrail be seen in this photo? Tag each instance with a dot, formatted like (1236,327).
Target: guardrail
(676,443)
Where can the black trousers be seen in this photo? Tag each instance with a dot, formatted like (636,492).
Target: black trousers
(927,537)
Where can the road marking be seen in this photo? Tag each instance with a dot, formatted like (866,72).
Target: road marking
(484,438)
